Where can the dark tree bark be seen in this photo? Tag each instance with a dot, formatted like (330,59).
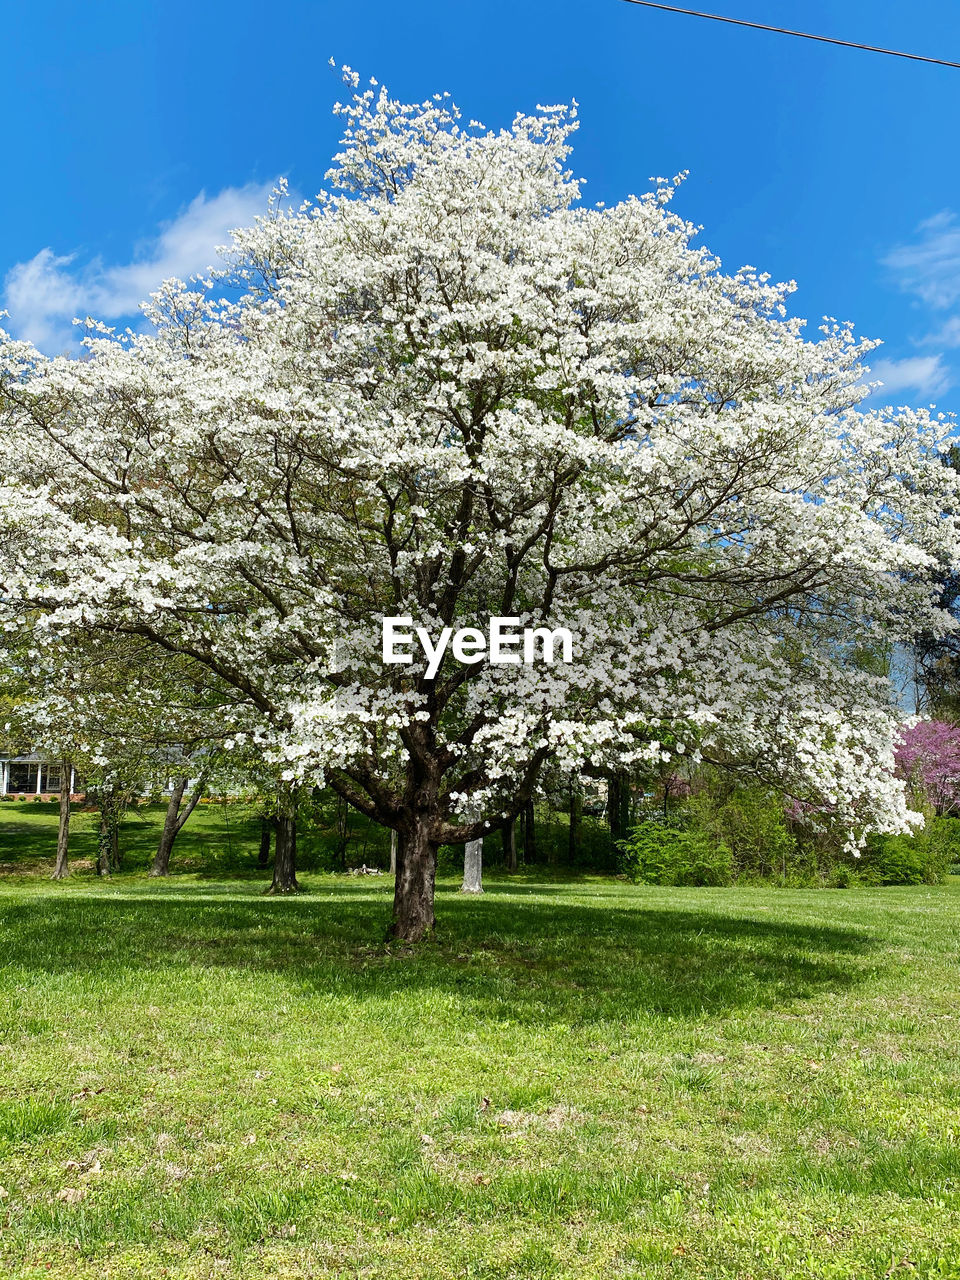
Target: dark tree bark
(343,832)
(285,856)
(417,847)
(115,837)
(529,833)
(174,822)
(576,814)
(413,917)
(161,861)
(627,818)
(613,807)
(510,844)
(61,870)
(618,804)
(110,802)
(266,838)
(106,836)
(420,814)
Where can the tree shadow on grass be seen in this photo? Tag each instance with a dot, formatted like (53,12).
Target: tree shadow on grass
(503,956)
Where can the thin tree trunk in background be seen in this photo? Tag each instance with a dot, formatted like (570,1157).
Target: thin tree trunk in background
(161,861)
(529,834)
(343,831)
(552,851)
(266,835)
(61,869)
(618,805)
(175,821)
(108,839)
(472,867)
(104,837)
(393,853)
(626,802)
(510,844)
(614,807)
(576,813)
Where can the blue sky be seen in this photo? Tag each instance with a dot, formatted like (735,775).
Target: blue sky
(137,134)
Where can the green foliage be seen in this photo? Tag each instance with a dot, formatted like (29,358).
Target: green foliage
(739,835)
(725,834)
(923,858)
(750,822)
(667,853)
(594,849)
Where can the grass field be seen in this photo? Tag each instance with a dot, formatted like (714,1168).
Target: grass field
(580,1078)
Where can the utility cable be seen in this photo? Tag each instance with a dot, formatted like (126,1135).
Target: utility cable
(801,35)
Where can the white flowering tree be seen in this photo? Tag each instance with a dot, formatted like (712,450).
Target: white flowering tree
(115,711)
(447,390)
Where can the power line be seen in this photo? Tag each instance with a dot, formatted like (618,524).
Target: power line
(802,35)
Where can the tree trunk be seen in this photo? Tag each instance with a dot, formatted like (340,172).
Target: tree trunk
(618,805)
(285,857)
(104,838)
(613,807)
(343,832)
(161,861)
(576,813)
(175,821)
(472,867)
(529,834)
(393,853)
(60,870)
(510,844)
(416,877)
(626,794)
(108,834)
(266,835)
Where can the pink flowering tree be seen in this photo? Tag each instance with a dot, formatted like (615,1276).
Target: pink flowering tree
(928,757)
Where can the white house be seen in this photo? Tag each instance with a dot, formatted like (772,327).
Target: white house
(31,775)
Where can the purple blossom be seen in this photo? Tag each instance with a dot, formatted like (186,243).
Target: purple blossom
(929,757)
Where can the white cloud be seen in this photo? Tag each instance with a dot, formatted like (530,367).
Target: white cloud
(46,293)
(924,375)
(930,266)
(948,335)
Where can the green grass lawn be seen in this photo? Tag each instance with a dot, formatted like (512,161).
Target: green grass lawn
(579,1078)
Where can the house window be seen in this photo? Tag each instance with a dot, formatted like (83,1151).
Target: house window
(23,777)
